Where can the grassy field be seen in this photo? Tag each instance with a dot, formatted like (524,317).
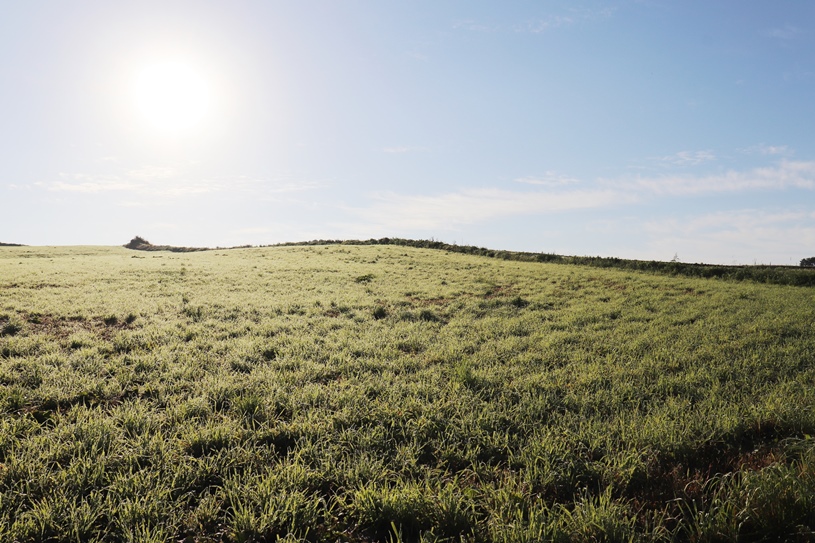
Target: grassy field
(387,393)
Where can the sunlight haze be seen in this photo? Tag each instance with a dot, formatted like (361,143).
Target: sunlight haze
(171,96)
(637,129)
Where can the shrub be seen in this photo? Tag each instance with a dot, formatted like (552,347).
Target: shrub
(808,262)
(137,242)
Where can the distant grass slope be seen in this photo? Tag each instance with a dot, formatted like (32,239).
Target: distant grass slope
(384,393)
(777,275)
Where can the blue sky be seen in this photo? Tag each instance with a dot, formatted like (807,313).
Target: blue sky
(639,129)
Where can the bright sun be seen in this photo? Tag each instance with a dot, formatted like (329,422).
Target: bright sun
(171,97)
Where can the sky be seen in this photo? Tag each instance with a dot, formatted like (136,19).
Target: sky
(641,129)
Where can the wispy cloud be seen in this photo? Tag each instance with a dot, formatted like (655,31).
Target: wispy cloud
(169,182)
(754,219)
(473,26)
(553,193)
(798,73)
(252,230)
(787,174)
(548,179)
(148,182)
(468,206)
(150,173)
(687,158)
(786,32)
(538,25)
(91,183)
(17,186)
(546,23)
(401,149)
(571,17)
(762,149)
(736,236)
(284,187)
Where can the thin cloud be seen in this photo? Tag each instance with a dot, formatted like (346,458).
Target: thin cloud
(284,187)
(143,182)
(15,186)
(166,182)
(688,158)
(788,174)
(549,179)
(753,219)
(786,33)
(762,149)
(401,149)
(473,26)
(89,184)
(562,194)
(798,73)
(252,230)
(150,173)
(541,24)
(547,23)
(733,237)
(475,205)
(573,16)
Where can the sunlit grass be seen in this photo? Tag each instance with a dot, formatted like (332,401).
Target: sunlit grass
(389,393)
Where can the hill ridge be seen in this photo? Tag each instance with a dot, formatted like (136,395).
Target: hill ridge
(771,274)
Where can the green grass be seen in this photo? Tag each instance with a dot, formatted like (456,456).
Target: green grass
(802,276)
(390,393)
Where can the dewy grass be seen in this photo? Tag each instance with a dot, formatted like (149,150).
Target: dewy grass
(389,393)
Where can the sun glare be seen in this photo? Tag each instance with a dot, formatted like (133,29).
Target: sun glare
(171,97)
